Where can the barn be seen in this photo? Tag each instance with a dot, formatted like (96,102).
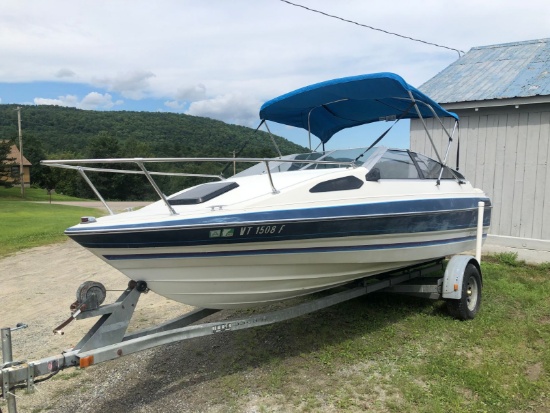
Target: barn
(12,161)
(502,96)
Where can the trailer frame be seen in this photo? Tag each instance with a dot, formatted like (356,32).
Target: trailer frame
(107,339)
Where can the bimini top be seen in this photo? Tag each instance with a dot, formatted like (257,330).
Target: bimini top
(328,107)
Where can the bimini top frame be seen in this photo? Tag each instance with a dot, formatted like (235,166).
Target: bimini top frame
(325,108)
(328,107)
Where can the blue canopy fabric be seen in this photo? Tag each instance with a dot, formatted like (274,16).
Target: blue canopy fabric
(347,102)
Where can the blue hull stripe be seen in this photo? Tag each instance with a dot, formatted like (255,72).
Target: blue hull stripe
(277,251)
(304,214)
(435,221)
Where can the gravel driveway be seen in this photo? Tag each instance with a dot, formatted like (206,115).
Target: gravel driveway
(221,373)
(37,287)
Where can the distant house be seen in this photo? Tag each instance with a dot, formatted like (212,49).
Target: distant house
(14,162)
(502,96)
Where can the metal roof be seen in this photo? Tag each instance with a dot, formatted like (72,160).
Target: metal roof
(501,71)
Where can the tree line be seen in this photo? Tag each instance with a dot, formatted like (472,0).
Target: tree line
(53,132)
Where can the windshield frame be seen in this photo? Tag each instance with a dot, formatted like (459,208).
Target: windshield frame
(278,167)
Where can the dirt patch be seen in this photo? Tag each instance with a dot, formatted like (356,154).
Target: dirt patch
(36,288)
(534,372)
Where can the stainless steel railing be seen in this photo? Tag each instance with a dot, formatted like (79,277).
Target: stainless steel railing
(77,164)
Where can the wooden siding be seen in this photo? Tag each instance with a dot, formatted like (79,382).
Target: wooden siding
(506,152)
(26,176)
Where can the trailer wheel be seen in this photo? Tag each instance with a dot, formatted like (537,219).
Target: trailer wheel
(467,306)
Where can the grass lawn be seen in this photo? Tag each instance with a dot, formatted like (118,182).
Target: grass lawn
(387,353)
(25,224)
(33,194)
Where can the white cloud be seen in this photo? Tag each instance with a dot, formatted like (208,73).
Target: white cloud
(93,100)
(68,100)
(174,104)
(62,73)
(189,94)
(96,100)
(184,95)
(198,54)
(132,85)
(234,108)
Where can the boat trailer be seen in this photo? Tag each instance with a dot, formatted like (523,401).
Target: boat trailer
(460,286)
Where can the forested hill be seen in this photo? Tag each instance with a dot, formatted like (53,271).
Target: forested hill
(62,129)
(53,132)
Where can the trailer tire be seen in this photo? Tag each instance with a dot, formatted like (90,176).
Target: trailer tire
(468,305)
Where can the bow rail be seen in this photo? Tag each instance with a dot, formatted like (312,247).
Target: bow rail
(76,164)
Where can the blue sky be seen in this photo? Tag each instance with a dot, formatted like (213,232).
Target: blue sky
(223,59)
(49,92)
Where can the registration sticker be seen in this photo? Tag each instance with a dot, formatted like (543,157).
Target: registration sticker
(223,233)
(228,232)
(216,233)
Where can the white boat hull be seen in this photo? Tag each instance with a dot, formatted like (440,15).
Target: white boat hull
(250,274)
(249,245)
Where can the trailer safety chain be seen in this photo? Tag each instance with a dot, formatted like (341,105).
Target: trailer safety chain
(30,385)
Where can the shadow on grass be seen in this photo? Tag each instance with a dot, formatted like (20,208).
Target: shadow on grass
(183,367)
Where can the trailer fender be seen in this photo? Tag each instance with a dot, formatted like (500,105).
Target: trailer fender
(454,276)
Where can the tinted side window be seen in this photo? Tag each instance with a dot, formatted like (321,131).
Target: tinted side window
(431,169)
(397,165)
(447,174)
(340,184)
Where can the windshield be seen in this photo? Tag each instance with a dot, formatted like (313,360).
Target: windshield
(404,164)
(358,156)
(341,158)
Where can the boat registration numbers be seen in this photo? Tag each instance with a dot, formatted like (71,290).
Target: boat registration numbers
(262,230)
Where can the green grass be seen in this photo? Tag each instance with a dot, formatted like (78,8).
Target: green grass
(33,194)
(386,353)
(26,224)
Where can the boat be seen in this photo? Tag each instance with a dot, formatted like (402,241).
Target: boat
(296,224)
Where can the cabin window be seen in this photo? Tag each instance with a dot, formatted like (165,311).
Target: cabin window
(345,156)
(358,156)
(397,165)
(339,184)
(15,171)
(431,169)
(313,156)
(202,193)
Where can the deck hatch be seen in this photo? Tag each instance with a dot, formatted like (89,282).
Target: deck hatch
(202,193)
(339,184)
